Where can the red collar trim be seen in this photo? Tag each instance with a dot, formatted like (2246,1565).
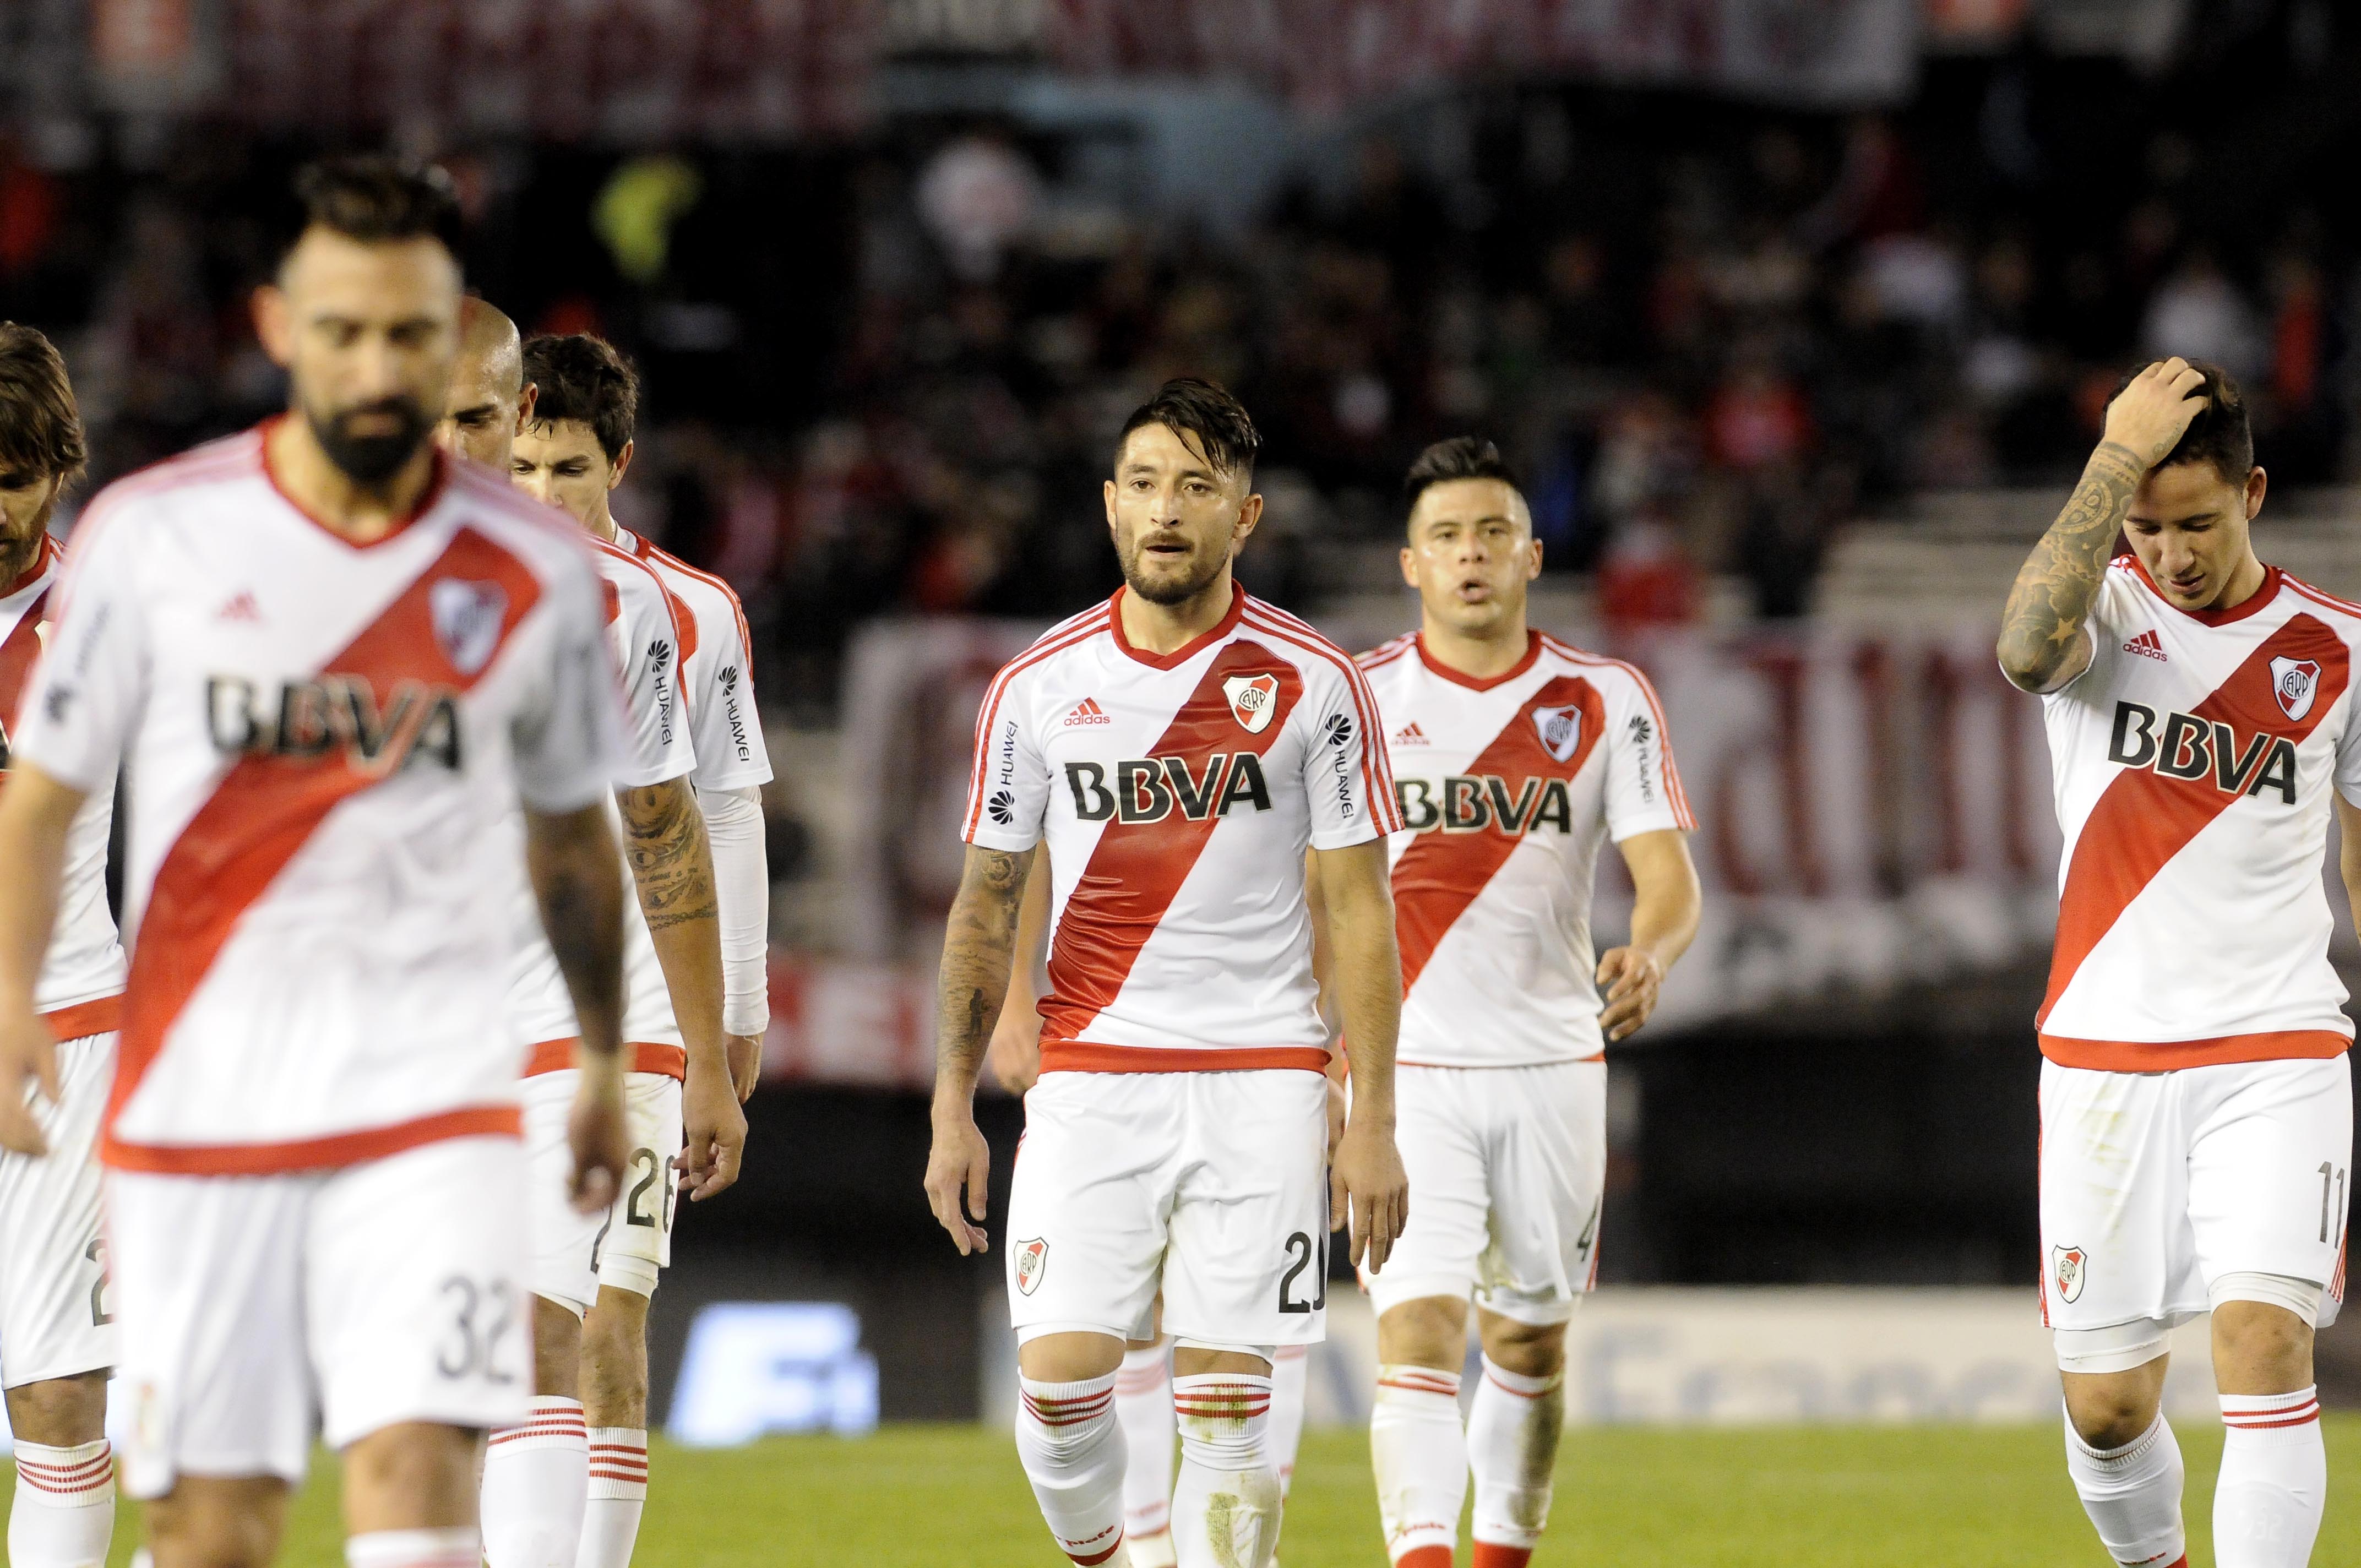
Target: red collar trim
(1436,666)
(1187,650)
(2240,611)
(43,560)
(425,502)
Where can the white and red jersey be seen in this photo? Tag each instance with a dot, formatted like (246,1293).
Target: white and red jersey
(1508,787)
(644,640)
(81,987)
(1178,794)
(2192,764)
(716,669)
(326,742)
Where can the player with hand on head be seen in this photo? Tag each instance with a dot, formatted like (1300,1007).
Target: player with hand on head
(1179,747)
(1515,756)
(593,1277)
(57,1338)
(339,661)
(490,401)
(2196,1091)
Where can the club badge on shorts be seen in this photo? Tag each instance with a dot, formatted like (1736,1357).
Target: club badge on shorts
(2295,682)
(2066,1264)
(1253,699)
(467,621)
(1032,1258)
(1560,729)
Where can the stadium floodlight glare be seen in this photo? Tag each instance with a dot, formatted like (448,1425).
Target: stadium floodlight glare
(755,1367)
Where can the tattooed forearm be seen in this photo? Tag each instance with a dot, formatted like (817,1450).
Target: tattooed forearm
(977,946)
(2042,640)
(571,862)
(671,864)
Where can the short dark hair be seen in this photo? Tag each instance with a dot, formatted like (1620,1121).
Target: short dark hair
(40,428)
(583,378)
(1461,458)
(377,200)
(2219,433)
(1187,406)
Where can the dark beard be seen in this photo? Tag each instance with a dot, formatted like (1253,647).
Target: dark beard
(371,460)
(1171,590)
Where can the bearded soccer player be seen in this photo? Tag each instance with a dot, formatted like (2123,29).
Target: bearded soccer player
(336,661)
(489,400)
(2196,1097)
(1178,748)
(1515,757)
(57,1338)
(569,1486)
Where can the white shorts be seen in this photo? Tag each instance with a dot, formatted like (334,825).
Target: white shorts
(1508,1179)
(1211,1185)
(573,1255)
(383,1292)
(2157,1187)
(54,1317)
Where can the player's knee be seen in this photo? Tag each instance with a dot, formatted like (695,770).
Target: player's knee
(412,1475)
(2109,1411)
(1069,1358)
(2256,1343)
(211,1527)
(61,1412)
(1428,1331)
(557,1350)
(1532,1350)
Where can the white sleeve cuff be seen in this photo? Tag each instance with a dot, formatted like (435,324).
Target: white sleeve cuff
(742,888)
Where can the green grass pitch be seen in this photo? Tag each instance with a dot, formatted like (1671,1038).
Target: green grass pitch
(1833,1498)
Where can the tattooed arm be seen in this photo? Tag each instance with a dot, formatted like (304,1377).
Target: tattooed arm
(977,948)
(672,865)
(570,859)
(2044,640)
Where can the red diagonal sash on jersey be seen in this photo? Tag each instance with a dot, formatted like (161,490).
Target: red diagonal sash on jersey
(266,809)
(20,650)
(2144,818)
(1442,873)
(1136,868)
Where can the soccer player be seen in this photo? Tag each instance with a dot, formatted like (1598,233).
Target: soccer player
(489,400)
(593,1278)
(336,661)
(56,1338)
(2196,1097)
(1514,757)
(1180,747)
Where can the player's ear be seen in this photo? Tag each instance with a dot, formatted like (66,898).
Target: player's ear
(273,326)
(2256,483)
(1106,493)
(525,400)
(1534,561)
(1410,566)
(615,470)
(1249,515)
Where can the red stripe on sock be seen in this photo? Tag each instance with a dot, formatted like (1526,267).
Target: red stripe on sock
(1492,1554)
(1519,1393)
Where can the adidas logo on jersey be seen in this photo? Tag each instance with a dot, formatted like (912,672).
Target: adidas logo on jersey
(241,606)
(2148,645)
(1087,711)
(1410,735)
(2188,747)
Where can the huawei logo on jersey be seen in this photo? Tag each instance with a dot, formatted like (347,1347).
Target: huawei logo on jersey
(1472,803)
(2183,746)
(336,715)
(738,739)
(1150,789)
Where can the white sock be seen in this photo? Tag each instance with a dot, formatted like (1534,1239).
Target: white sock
(1512,1450)
(1073,1449)
(63,1516)
(1290,1373)
(1225,1507)
(1143,1403)
(414,1549)
(2274,1482)
(617,1492)
(1420,1454)
(2132,1494)
(536,1481)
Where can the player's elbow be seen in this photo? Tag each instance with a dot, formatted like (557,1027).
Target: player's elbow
(2028,667)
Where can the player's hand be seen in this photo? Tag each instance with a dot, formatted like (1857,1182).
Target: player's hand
(745,1054)
(714,1128)
(959,1159)
(2148,418)
(28,1052)
(1367,1180)
(1014,1056)
(595,1134)
(1630,979)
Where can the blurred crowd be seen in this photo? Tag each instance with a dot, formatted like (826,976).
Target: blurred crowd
(883,375)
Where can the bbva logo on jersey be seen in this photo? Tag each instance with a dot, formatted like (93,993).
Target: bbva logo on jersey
(1471,803)
(313,718)
(2190,748)
(1146,789)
